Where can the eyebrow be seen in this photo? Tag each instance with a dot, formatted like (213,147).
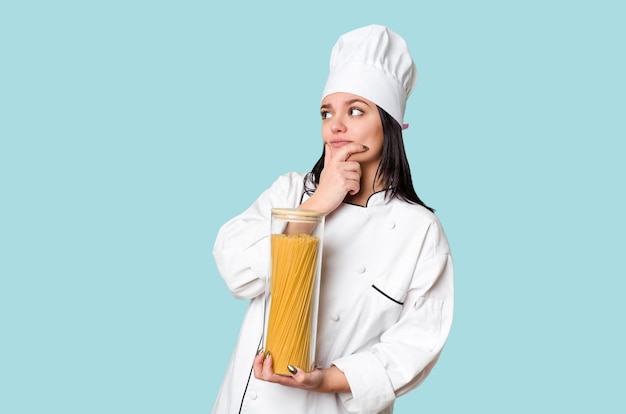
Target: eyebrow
(348,102)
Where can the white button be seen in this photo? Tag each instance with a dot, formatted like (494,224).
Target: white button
(253,396)
(391,225)
(361,269)
(334,317)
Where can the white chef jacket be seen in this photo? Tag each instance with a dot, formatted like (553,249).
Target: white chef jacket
(385,311)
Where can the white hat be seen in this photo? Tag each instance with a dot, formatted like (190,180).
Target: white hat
(375,63)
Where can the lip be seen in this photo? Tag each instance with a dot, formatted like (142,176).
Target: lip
(339,143)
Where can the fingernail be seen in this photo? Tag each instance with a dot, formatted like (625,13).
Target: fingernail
(260,351)
(365,147)
(291,369)
(267,354)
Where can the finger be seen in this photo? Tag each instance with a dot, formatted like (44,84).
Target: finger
(268,371)
(296,372)
(352,167)
(305,380)
(354,190)
(348,178)
(346,151)
(328,154)
(258,364)
(352,177)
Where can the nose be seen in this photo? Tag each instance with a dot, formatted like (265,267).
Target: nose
(337,125)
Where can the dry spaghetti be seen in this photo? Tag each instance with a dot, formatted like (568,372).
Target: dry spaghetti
(292,281)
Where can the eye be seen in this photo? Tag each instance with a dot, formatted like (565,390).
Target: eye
(326,115)
(355,112)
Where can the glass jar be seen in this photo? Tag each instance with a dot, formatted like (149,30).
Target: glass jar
(293,288)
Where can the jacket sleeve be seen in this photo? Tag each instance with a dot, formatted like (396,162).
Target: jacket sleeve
(409,349)
(242,250)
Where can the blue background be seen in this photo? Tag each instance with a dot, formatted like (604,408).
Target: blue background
(130,131)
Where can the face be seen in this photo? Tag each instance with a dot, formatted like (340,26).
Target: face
(351,118)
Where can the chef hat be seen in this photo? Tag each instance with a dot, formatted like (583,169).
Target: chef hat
(375,63)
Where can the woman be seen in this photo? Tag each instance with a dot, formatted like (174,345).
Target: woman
(386,296)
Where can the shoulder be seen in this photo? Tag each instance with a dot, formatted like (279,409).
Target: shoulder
(413,211)
(292,176)
(419,217)
(288,188)
(290,180)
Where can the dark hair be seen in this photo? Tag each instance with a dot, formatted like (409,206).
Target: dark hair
(393,170)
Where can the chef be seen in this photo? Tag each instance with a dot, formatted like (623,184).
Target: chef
(386,293)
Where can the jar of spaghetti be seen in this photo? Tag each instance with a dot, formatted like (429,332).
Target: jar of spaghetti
(293,288)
